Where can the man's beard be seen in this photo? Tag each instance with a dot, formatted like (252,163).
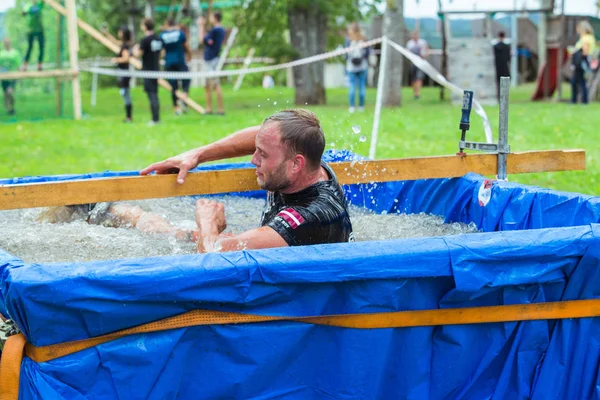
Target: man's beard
(275,182)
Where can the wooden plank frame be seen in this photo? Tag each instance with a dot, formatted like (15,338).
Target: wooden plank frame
(51,73)
(239,180)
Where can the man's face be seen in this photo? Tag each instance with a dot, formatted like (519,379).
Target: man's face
(415,36)
(273,164)
(212,19)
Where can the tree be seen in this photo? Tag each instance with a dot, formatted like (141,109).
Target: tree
(393,29)
(314,27)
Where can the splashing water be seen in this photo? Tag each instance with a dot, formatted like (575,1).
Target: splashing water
(22,235)
(362,139)
(356,129)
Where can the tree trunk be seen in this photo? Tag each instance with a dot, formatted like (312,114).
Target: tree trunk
(393,28)
(308,34)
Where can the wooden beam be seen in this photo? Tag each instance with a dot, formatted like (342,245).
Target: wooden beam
(87,28)
(239,180)
(73,58)
(51,73)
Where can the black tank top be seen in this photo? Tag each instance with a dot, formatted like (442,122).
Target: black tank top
(315,215)
(124,47)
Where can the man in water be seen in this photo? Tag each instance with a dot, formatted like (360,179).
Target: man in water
(305,203)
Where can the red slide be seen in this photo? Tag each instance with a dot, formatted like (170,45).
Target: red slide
(539,89)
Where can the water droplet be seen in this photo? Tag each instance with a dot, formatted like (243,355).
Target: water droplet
(353,163)
(274,103)
(259,105)
(332,144)
(362,139)
(395,200)
(356,129)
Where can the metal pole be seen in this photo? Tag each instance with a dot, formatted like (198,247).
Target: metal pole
(95,82)
(503,129)
(379,99)
(514,38)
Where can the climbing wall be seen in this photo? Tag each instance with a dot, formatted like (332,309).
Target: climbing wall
(471,66)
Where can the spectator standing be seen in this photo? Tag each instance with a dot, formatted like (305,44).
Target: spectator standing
(357,66)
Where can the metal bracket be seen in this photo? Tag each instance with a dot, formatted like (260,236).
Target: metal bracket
(501,148)
(8,328)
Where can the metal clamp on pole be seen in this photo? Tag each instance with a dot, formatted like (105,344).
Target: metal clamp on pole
(501,148)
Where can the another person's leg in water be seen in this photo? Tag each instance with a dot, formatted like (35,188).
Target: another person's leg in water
(362,89)
(353,82)
(116,215)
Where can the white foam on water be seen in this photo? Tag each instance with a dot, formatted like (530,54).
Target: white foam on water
(23,236)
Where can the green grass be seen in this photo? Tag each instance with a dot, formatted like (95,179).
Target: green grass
(419,128)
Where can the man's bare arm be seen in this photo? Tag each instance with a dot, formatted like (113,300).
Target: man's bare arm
(241,143)
(259,238)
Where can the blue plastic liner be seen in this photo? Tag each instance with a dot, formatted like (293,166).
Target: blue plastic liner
(554,255)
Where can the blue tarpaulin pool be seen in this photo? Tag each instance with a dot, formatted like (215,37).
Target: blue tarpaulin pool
(537,245)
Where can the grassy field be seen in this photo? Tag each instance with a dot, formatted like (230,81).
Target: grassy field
(419,128)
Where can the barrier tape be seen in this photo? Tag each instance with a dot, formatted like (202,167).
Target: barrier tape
(215,74)
(422,64)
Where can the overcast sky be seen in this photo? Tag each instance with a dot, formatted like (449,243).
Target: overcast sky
(428,8)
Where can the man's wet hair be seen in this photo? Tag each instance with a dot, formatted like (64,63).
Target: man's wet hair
(301,133)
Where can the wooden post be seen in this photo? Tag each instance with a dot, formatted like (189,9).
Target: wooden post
(59,105)
(73,60)
(561,49)
(247,62)
(444,47)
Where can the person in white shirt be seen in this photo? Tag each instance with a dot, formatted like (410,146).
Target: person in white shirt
(419,47)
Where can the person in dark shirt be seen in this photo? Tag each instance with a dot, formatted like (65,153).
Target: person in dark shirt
(212,41)
(305,203)
(176,49)
(122,62)
(502,60)
(149,49)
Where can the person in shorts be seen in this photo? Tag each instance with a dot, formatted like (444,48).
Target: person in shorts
(419,47)
(213,42)
(176,49)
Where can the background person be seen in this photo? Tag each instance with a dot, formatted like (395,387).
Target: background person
(419,47)
(213,41)
(357,66)
(176,48)
(10,59)
(580,61)
(501,60)
(33,11)
(149,49)
(122,62)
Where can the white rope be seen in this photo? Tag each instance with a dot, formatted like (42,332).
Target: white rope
(439,78)
(214,74)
